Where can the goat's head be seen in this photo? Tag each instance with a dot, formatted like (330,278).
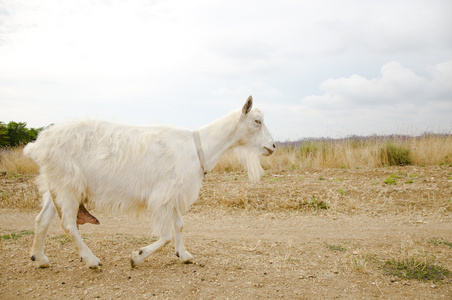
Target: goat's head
(254,140)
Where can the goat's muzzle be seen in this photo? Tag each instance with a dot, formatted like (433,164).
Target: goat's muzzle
(270,150)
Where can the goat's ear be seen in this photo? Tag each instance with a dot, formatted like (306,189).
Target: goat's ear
(247,107)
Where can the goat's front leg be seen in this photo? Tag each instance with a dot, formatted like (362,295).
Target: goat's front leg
(138,256)
(183,254)
(69,210)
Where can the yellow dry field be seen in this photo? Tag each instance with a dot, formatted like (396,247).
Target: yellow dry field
(302,234)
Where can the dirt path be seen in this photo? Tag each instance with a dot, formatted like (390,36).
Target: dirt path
(238,254)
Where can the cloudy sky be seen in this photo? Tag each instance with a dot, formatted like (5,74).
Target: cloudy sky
(316,68)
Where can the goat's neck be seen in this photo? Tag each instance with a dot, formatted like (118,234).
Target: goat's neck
(217,138)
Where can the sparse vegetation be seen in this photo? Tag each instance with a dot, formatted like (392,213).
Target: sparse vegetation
(18,191)
(362,262)
(334,247)
(316,204)
(440,241)
(392,179)
(61,238)
(15,235)
(415,268)
(342,192)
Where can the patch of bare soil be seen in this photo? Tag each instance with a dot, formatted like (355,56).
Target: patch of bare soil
(269,240)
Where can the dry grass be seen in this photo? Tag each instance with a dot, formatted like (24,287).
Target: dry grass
(352,153)
(18,191)
(371,152)
(17,188)
(335,191)
(343,176)
(13,161)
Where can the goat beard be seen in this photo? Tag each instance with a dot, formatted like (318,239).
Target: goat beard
(249,159)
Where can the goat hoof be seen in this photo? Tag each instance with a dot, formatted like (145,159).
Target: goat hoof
(91,261)
(135,258)
(40,261)
(185,256)
(95,267)
(132,264)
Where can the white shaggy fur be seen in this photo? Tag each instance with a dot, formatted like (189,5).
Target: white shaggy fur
(114,167)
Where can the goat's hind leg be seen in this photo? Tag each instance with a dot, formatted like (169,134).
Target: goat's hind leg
(69,208)
(42,223)
(183,254)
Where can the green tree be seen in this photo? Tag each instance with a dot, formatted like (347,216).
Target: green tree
(16,134)
(33,134)
(4,137)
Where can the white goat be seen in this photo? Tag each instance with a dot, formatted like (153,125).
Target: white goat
(121,168)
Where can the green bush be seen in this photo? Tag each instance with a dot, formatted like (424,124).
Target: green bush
(396,155)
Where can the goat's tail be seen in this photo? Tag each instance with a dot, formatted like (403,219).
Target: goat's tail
(35,151)
(28,150)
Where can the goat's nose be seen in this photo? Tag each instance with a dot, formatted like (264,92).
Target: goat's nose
(274,146)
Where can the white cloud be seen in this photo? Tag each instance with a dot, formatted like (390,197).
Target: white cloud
(397,96)
(395,85)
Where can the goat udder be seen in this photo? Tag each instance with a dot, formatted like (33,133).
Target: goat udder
(83,216)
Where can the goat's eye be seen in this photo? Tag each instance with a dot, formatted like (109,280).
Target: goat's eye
(258,122)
